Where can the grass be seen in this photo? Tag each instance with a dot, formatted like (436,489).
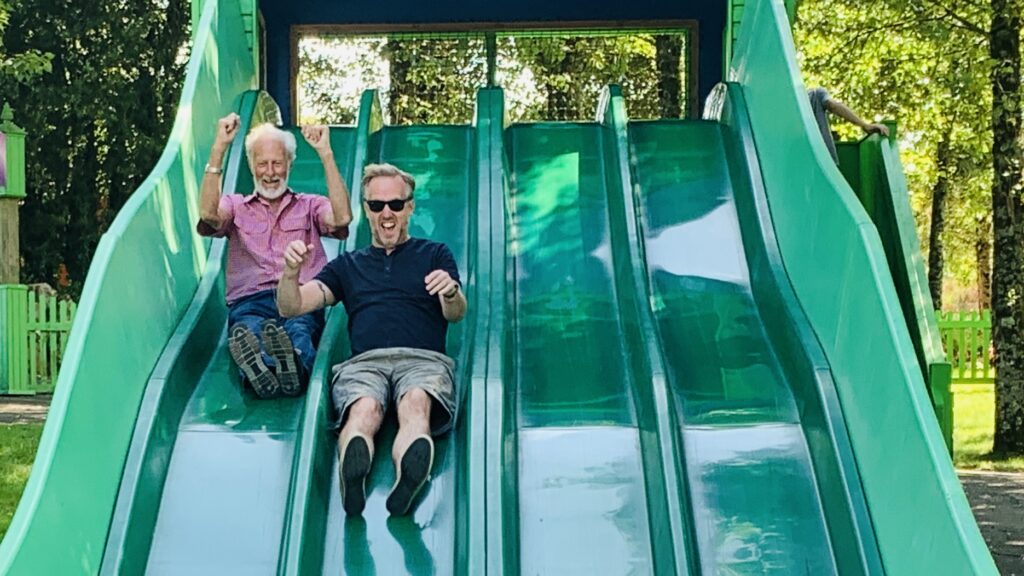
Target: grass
(974,408)
(17,451)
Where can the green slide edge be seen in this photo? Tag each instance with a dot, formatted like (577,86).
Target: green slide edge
(172,383)
(302,548)
(471,540)
(920,513)
(667,490)
(801,355)
(872,166)
(142,278)
(501,462)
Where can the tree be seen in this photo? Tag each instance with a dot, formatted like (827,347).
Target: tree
(24,66)
(927,67)
(943,160)
(333,73)
(97,124)
(572,70)
(668,53)
(1008,226)
(951,73)
(434,80)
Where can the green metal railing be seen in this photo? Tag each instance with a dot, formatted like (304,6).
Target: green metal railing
(967,339)
(32,339)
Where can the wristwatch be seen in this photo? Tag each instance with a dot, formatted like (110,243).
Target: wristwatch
(213,169)
(454,294)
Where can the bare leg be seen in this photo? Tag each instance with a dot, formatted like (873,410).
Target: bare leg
(364,417)
(413,421)
(413,450)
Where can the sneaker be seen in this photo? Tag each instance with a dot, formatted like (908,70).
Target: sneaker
(413,472)
(280,348)
(354,466)
(245,349)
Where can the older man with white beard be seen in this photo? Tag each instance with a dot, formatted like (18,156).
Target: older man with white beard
(274,355)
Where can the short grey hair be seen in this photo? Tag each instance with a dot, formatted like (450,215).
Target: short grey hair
(268,130)
(387,170)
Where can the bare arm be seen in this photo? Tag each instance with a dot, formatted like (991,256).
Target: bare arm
(453,301)
(209,192)
(337,192)
(293,299)
(844,112)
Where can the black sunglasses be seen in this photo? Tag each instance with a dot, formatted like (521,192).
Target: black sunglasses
(395,205)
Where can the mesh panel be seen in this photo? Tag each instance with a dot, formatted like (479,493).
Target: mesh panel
(432,78)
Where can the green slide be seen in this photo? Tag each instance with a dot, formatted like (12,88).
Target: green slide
(443,161)
(684,355)
(176,496)
(665,392)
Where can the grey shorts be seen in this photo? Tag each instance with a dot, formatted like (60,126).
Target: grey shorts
(386,374)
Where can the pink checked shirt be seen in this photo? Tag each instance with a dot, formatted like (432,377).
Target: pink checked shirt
(257,238)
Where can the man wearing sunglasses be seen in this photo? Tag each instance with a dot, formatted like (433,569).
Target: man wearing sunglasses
(258,227)
(400,293)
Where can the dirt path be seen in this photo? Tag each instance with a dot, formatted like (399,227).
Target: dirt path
(24,409)
(997,500)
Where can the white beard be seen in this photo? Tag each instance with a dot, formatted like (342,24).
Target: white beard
(282,186)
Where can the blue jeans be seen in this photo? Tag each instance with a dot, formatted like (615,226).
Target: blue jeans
(304,331)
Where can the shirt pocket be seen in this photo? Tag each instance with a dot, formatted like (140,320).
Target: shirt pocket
(295,228)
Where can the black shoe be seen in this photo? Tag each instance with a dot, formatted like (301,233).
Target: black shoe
(353,468)
(412,474)
(245,349)
(280,348)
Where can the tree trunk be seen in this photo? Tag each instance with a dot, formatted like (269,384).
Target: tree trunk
(1007,212)
(668,50)
(936,259)
(983,251)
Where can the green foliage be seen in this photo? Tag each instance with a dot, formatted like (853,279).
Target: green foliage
(571,71)
(927,67)
(333,73)
(26,65)
(434,80)
(96,124)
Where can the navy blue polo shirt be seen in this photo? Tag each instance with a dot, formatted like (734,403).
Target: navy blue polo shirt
(386,298)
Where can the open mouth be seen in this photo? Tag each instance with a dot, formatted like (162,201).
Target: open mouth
(389,225)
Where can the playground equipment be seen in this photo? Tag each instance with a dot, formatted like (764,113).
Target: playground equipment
(663,369)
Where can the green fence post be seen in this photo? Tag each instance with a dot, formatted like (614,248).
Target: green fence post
(12,191)
(14,378)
